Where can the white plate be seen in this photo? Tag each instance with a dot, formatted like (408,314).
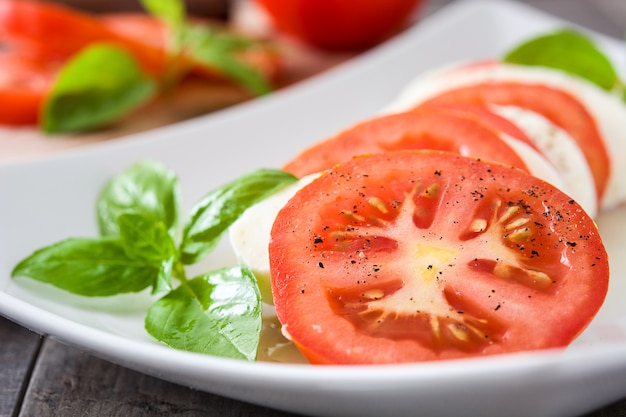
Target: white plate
(48,199)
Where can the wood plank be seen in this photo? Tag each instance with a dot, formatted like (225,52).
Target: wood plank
(68,382)
(18,349)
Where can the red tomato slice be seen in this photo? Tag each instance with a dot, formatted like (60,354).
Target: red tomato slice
(425,255)
(25,78)
(64,31)
(490,119)
(153,34)
(428,128)
(558,106)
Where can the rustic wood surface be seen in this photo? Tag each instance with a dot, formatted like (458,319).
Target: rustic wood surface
(41,377)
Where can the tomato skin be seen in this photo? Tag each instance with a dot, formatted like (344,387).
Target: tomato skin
(454,129)
(339,24)
(369,268)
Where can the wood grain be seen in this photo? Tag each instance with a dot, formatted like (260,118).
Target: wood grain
(18,351)
(68,382)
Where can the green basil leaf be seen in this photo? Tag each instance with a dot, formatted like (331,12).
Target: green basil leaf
(170,11)
(216,211)
(219,50)
(569,51)
(147,188)
(90,267)
(173,14)
(147,239)
(95,88)
(218,314)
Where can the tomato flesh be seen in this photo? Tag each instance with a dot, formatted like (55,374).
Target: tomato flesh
(424,255)
(446,129)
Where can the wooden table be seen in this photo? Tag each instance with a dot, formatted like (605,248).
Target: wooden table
(42,377)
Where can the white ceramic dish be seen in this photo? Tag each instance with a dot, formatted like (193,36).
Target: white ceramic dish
(48,199)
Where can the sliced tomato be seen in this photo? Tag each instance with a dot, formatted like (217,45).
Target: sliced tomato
(26,76)
(424,255)
(154,34)
(428,128)
(64,31)
(489,118)
(556,105)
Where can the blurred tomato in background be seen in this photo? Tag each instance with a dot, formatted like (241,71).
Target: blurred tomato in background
(340,25)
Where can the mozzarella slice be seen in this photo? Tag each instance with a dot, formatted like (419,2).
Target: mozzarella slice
(607,109)
(250,234)
(561,150)
(539,166)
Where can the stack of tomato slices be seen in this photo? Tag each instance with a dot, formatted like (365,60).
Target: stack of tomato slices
(430,234)
(38,38)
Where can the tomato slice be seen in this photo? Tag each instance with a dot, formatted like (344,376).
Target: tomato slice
(425,255)
(489,118)
(556,105)
(63,31)
(428,128)
(25,79)
(153,34)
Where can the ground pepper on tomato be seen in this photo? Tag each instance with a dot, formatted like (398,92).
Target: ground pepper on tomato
(429,255)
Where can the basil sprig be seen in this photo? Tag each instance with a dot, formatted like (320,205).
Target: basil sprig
(570,51)
(218,312)
(216,48)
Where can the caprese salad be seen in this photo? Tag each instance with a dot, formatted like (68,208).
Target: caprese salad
(360,254)
(457,223)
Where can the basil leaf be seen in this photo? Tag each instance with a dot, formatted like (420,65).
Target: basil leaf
(216,211)
(219,51)
(90,267)
(95,88)
(569,51)
(173,13)
(147,188)
(170,11)
(218,314)
(144,238)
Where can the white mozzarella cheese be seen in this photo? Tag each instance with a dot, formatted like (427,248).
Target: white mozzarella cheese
(250,234)
(561,151)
